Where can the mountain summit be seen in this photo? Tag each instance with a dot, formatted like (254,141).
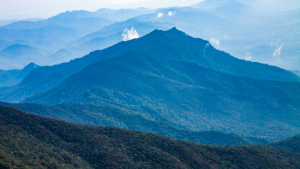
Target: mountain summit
(187,83)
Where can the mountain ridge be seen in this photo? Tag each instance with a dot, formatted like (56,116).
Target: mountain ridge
(36,142)
(114,116)
(186,92)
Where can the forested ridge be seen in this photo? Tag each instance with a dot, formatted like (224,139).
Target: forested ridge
(30,141)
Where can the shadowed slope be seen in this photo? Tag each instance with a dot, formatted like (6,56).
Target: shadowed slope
(186,94)
(97,147)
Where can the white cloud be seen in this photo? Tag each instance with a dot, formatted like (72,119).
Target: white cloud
(160,14)
(215,42)
(126,1)
(248,56)
(170,13)
(130,34)
(277,51)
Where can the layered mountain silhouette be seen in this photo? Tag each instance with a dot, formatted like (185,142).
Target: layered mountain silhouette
(13,77)
(105,37)
(197,50)
(53,34)
(113,116)
(29,141)
(188,83)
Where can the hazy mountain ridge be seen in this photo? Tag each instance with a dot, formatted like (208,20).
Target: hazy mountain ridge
(67,145)
(13,77)
(53,34)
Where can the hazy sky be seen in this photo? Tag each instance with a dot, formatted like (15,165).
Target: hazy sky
(22,9)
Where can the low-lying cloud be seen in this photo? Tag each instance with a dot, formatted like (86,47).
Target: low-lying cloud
(215,42)
(248,56)
(278,51)
(130,34)
(170,13)
(160,14)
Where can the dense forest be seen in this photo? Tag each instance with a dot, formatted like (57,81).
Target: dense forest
(30,141)
(113,116)
(290,144)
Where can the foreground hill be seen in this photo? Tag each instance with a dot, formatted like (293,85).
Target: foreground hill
(29,141)
(176,78)
(113,116)
(290,144)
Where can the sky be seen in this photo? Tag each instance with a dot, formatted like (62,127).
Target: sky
(23,9)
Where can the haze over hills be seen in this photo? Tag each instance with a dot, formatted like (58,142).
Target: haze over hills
(35,142)
(229,25)
(53,34)
(106,37)
(174,74)
(221,73)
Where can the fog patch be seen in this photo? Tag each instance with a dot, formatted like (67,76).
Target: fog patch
(215,42)
(130,34)
(248,56)
(160,14)
(278,51)
(170,13)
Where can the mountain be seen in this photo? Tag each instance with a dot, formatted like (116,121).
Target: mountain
(198,51)
(103,38)
(13,77)
(296,72)
(212,4)
(47,39)
(79,19)
(113,116)
(18,51)
(189,84)
(290,144)
(6,22)
(235,10)
(29,141)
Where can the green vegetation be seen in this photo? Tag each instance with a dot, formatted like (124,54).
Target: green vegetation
(113,116)
(30,141)
(290,144)
(163,82)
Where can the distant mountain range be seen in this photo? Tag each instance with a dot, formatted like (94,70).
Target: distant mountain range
(29,141)
(53,34)
(228,24)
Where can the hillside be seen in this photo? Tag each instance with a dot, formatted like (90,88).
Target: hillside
(29,141)
(113,116)
(172,44)
(13,77)
(19,51)
(290,144)
(173,82)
